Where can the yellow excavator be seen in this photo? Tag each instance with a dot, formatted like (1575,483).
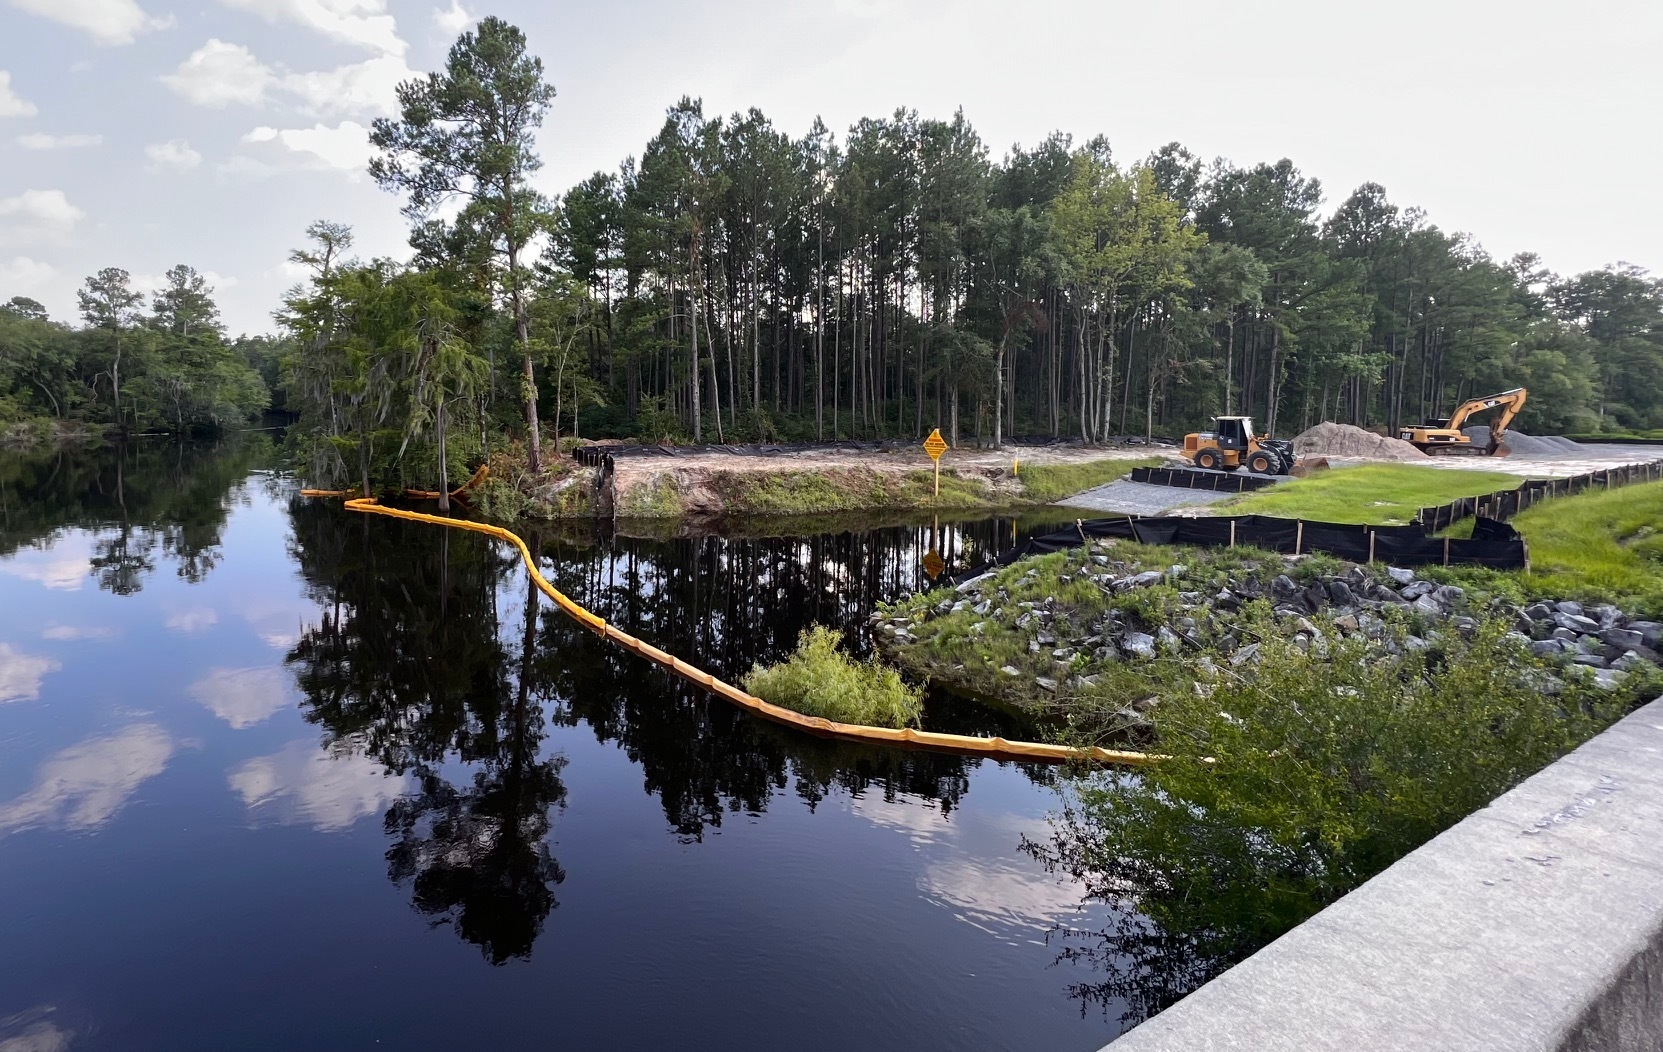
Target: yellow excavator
(1446,436)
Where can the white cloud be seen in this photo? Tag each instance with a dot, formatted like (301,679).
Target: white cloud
(10,104)
(41,141)
(48,208)
(364,23)
(20,275)
(364,87)
(106,21)
(64,563)
(452,20)
(175,154)
(85,785)
(71,633)
(218,74)
(303,783)
(242,697)
(192,621)
(33,1031)
(345,146)
(21,673)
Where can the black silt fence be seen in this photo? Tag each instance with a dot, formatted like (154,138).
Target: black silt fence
(1504,504)
(1500,547)
(1189,478)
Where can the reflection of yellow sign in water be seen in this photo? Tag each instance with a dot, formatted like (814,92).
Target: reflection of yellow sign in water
(934,564)
(935,445)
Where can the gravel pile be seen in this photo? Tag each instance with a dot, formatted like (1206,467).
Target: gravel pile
(1329,439)
(1520,444)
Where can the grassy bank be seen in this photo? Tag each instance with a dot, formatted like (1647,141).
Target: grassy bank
(1373,494)
(763,489)
(1599,546)
(1044,483)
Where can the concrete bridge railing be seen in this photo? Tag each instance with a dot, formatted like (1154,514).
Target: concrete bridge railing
(1536,924)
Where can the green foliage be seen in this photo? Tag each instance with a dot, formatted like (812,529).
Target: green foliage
(1373,494)
(1045,483)
(1296,780)
(819,679)
(170,371)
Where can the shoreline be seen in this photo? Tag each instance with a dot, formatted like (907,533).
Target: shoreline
(711,487)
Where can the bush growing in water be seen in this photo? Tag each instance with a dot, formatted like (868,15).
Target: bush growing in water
(819,679)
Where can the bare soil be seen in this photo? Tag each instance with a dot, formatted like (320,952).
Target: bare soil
(698,479)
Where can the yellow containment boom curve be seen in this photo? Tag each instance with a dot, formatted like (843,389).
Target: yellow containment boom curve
(998,748)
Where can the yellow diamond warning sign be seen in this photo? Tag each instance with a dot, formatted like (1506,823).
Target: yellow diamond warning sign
(934,564)
(935,445)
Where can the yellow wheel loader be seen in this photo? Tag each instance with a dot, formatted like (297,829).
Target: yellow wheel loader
(1231,444)
(1446,436)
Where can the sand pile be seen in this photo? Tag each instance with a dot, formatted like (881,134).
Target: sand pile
(1520,444)
(1342,440)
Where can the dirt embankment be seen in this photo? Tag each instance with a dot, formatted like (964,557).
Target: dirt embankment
(822,481)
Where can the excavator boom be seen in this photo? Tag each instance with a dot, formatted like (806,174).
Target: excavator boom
(1450,438)
(1513,400)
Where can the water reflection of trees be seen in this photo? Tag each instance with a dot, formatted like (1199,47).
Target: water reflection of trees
(413,663)
(145,498)
(408,663)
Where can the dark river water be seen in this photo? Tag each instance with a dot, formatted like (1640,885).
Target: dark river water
(273,775)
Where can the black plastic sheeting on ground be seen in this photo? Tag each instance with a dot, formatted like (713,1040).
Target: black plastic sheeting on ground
(1504,504)
(1499,547)
(1191,478)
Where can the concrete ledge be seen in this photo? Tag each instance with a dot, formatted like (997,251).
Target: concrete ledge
(1535,924)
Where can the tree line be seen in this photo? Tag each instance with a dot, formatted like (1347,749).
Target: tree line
(130,369)
(737,283)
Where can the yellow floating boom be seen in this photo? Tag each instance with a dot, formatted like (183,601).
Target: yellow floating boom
(997,748)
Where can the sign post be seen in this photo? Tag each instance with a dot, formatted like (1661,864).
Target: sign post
(935,445)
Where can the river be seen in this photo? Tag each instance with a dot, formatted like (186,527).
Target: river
(273,775)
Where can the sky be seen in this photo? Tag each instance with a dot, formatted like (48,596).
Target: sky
(145,133)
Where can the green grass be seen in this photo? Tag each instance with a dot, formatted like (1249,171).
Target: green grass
(658,498)
(1044,483)
(1373,494)
(821,680)
(1655,434)
(1604,545)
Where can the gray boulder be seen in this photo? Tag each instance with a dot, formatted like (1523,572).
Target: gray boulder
(1626,638)
(1139,644)
(1576,622)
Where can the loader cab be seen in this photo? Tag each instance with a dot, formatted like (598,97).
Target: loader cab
(1233,432)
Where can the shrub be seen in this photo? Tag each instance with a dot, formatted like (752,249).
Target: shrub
(819,679)
(1291,783)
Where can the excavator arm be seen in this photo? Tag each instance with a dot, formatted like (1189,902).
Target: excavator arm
(1513,401)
